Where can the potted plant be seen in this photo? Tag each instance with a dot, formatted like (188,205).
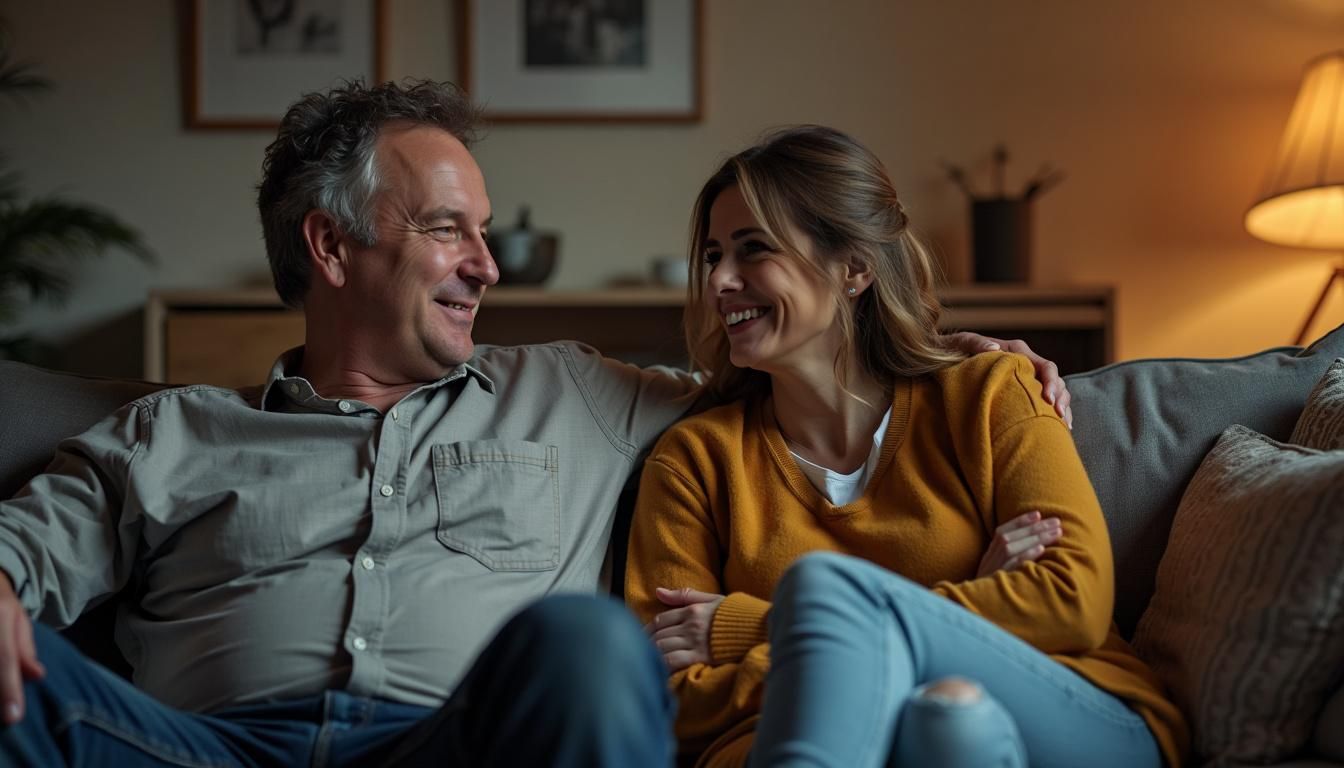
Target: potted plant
(42,237)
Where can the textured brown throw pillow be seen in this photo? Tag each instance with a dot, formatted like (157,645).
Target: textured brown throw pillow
(1247,623)
(1321,424)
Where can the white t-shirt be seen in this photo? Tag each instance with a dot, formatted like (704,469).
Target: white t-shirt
(840,488)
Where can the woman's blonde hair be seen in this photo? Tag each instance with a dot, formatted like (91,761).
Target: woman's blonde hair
(832,189)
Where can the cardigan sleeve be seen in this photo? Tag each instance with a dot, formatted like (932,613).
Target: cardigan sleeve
(674,543)
(1024,459)
(739,625)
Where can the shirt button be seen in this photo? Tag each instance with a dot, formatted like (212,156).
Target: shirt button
(386,490)
(360,643)
(394,414)
(345,406)
(367,562)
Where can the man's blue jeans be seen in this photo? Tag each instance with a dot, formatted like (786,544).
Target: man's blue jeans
(569,681)
(852,644)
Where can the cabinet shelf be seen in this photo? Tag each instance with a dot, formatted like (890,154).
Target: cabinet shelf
(231,337)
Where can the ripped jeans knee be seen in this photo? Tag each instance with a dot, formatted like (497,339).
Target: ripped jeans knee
(954,722)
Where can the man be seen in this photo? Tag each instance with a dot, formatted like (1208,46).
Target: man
(319,566)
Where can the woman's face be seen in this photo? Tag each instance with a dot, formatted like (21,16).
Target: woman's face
(778,313)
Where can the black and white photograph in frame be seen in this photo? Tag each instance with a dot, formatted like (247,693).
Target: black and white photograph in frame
(582,60)
(585,33)
(245,61)
(289,27)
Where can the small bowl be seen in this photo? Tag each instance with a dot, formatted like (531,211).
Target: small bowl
(671,271)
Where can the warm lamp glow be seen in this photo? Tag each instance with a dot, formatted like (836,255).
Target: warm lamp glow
(1310,218)
(1303,203)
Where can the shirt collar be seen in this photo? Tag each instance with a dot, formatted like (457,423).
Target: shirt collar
(284,382)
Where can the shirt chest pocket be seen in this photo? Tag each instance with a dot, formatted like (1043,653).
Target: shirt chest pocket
(499,501)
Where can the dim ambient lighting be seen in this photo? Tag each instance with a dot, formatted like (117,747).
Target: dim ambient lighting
(1303,202)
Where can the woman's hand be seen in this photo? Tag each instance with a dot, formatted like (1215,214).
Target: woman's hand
(1052,384)
(1022,539)
(682,633)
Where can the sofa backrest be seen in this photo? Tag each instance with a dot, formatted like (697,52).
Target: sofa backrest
(1143,427)
(40,408)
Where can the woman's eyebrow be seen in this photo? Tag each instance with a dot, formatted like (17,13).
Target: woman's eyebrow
(736,234)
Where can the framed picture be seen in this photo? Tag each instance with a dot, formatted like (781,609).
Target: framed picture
(582,60)
(246,61)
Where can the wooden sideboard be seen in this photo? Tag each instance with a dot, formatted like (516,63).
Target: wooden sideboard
(230,338)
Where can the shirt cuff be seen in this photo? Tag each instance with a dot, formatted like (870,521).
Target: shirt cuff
(738,626)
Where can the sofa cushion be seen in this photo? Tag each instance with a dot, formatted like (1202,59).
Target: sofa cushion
(1142,428)
(1321,424)
(1246,627)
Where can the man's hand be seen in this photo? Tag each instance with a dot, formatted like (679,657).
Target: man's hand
(1020,540)
(682,634)
(1052,384)
(18,656)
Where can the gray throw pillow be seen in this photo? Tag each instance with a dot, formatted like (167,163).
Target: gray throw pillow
(1321,424)
(1246,627)
(1142,427)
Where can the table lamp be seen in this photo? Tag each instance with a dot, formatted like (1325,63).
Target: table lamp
(1303,200)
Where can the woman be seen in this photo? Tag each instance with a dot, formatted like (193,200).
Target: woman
(850,429)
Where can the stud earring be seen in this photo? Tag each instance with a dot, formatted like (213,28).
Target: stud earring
(852,290)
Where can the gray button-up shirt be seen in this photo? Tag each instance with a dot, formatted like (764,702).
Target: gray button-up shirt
(280,543)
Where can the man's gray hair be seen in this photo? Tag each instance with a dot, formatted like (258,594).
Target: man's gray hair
(324,159)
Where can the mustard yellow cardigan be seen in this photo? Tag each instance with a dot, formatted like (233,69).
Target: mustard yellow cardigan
(724,508)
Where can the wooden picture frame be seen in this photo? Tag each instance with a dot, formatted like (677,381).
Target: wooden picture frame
(245,61)
(553,61)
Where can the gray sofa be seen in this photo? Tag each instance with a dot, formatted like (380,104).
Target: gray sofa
(1142,428)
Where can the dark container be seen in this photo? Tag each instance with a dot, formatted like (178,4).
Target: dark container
(523,255)
(1001,240)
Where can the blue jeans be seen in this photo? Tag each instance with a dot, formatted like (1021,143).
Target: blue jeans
(851,644)
(569,681)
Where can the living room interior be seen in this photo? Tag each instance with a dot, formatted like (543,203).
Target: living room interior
(1162,119)
(1139,135)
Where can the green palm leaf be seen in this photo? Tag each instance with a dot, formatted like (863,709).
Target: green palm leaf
(18,79)
(40,239)
(9,185)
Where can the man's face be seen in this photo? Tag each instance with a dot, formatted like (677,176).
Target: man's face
(417,289)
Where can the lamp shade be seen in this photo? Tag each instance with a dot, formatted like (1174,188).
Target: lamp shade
(1303,201)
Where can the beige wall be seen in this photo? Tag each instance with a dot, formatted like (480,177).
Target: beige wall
(1164,113)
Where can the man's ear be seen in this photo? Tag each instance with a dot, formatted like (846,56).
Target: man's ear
(326,247)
